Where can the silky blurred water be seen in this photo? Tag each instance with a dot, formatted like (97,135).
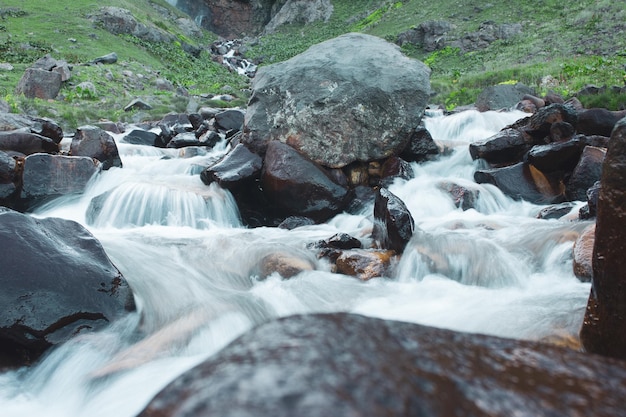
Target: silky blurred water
(493,269)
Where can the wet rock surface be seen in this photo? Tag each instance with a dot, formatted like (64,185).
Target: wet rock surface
(341,365)
(56,282)
(604,327)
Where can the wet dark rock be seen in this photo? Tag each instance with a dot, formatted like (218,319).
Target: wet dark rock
(587,172)
(421,146)
(598,121)
(298,186)
(236,168)
(184,139)
(8,178)
(522,182)
(56,282)
(46,127)
(588,211)
(365,264)
(39,83)
(141,137)
(583,254)
(350,365)
(463,197)
(27,143)
(505,147)
(395,167)
(363,198)
(229,119)
(338,102)
(502,96)
(557,156)
(393,223)
(540,123)
(96,143)
(604,326)
(555,211)
(561,131)
(48,176)
(341,241)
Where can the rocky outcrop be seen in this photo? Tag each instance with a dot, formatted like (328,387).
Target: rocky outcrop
(349,365)
(338,102)
(300,11)
(429,36)
(121,21)
(604,326)
(57,282)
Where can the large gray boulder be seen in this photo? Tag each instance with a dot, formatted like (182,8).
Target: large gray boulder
(352,98)
(349,365)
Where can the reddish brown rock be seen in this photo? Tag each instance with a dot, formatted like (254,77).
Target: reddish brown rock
(365,264)
(298,186)
(351,365)
(604,327)
(287,265)
(583,254)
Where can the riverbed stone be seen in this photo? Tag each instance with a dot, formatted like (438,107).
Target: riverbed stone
(297,186)
(508,146)
(48,176)
(94,142)
(393,222)
(604,326)
(352,98)
(587,172)
(25,142)
(351,365)
(583,254)
(57,282)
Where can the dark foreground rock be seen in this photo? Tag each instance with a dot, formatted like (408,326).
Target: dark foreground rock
(56,282)
(604,327)
(349,365)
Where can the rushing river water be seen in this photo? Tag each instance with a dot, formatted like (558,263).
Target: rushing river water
(495,269)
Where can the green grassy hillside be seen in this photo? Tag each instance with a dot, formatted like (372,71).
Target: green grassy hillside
(573,43)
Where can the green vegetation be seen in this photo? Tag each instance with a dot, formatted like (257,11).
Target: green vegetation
(561,48)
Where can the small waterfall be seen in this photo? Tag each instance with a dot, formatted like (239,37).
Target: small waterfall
(137,204)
